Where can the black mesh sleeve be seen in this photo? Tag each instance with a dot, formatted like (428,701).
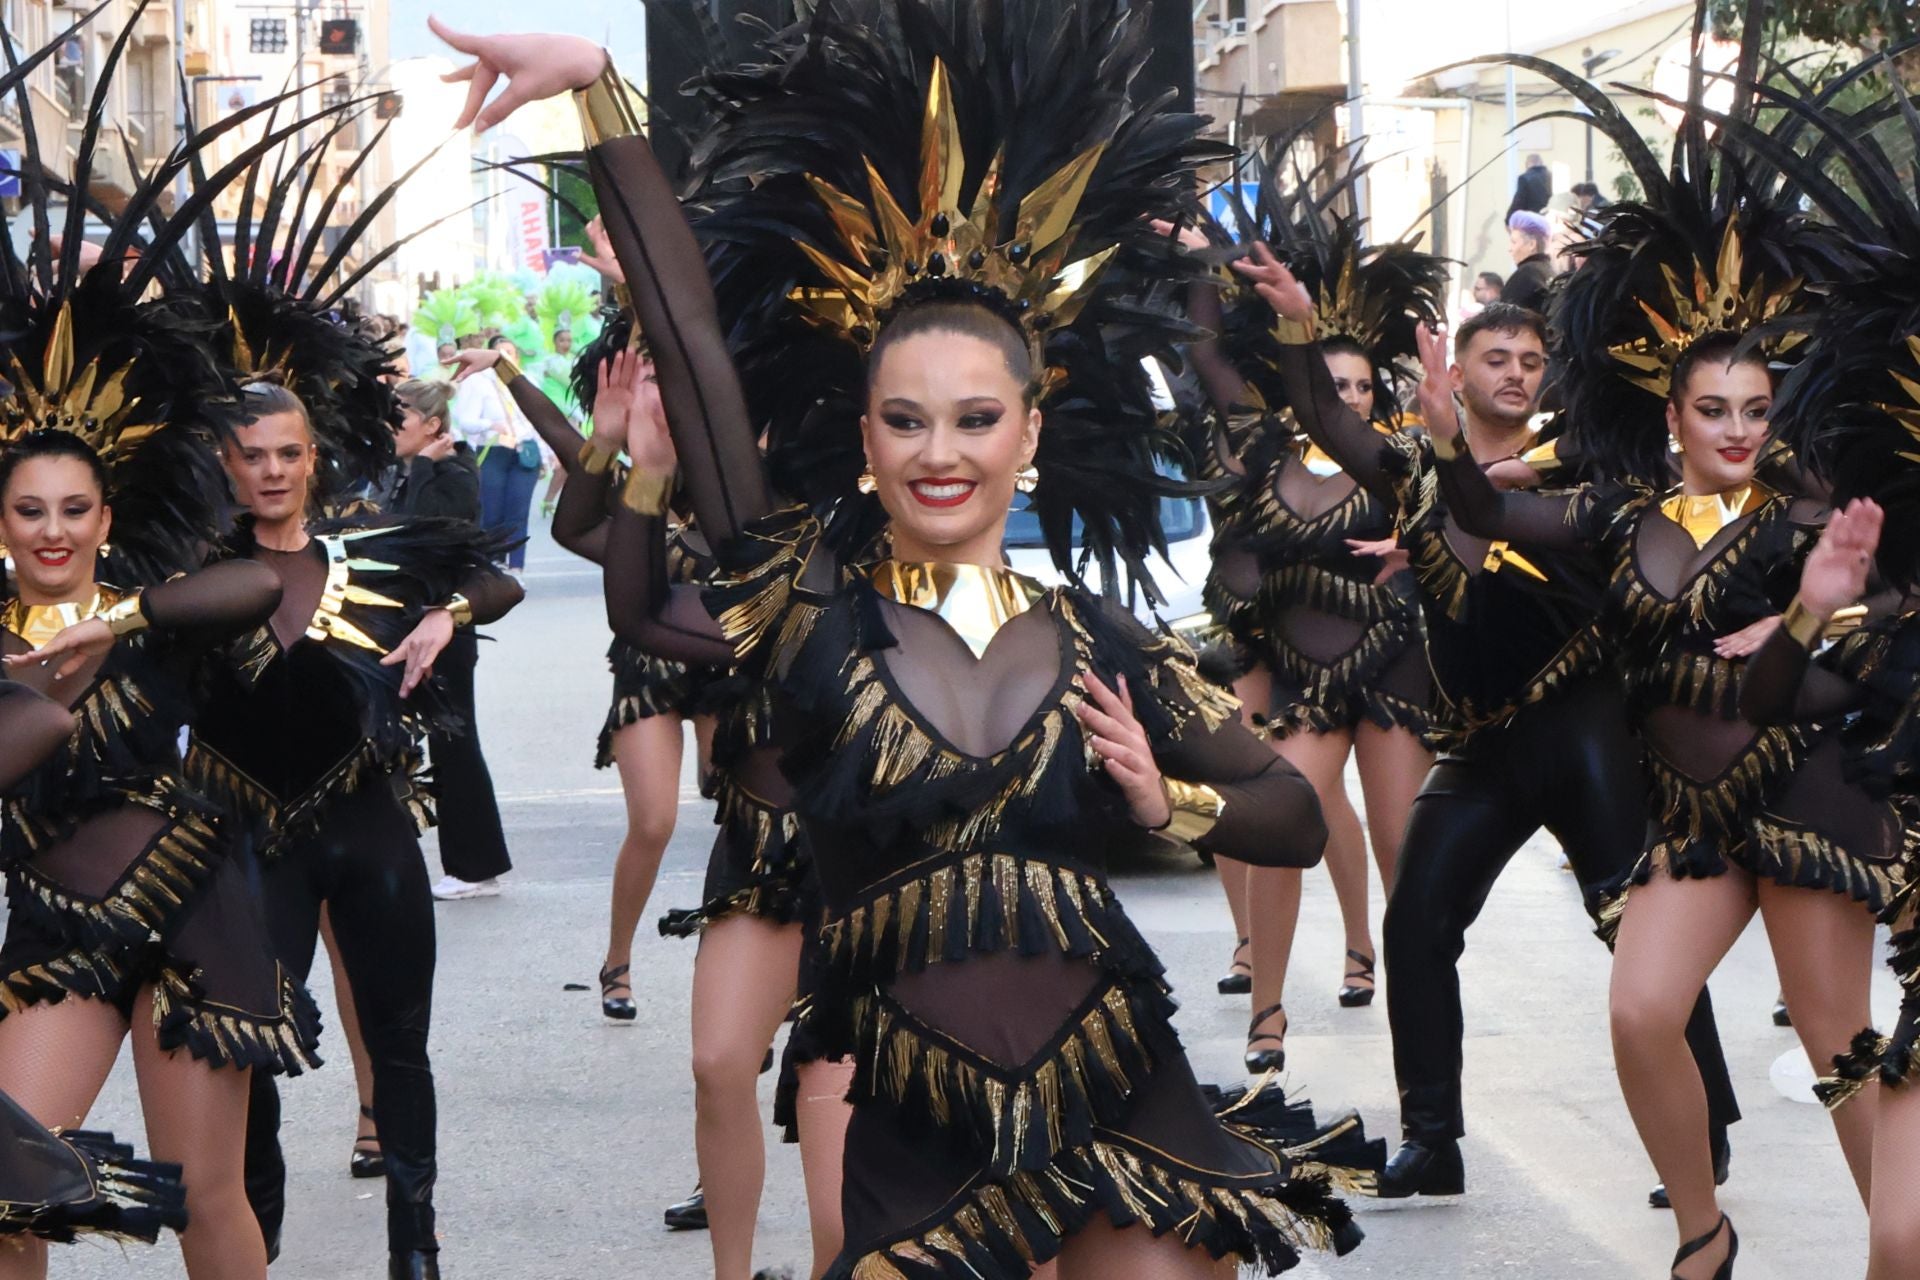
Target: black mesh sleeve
(31,729)
(1347,438)
(673,298)
(645,608)
(1271,816)
(213,603)
(1563,520)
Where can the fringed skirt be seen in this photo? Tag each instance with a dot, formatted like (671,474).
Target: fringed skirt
(61,1186)
(158,896)
(757,866)
(645,686)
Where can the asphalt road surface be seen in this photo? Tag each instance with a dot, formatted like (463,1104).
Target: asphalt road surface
(563,1135)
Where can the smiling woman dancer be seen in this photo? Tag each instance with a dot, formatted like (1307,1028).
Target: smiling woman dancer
(963,745)
(1746,816)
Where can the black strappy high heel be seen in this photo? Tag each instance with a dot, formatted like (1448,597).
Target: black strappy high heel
(1261,1061)
(618,1008)
(1352,997)
(1692,1247)
(367,1161)
(1239,978)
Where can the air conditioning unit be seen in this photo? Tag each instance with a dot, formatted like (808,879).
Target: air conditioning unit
(1236,27)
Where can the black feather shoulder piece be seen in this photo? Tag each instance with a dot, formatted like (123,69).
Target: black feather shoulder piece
(1374,296)
(889,153)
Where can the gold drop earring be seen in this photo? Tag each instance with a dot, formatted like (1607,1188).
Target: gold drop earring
(1027,478)
(867,482)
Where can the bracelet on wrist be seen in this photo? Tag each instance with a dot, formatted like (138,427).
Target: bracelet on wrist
(125,616)
(1293,333)
(1195,809)
(607,108)
(1445,448)
(461,608)
(597,456)
(507,369)
(646,492)
(1803,625)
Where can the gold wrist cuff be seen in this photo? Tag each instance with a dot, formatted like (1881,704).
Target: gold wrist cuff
(507,369)
(623,298)
(1846,621)
(607,109)
(1293,333)
(1445,448)
(646,492)
(125,616)
(1196,808)
(461,608)
(1804,625)
(596,458)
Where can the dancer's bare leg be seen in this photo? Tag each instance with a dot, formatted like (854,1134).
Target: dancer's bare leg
(743,985)
(1101,1251)
(647,753)
(1823,946)
(1393,765)
(54,1058)
(1894,1212)
(366,1133)
(197,1119)
(823,1114)
(1322,759)
(1673,935)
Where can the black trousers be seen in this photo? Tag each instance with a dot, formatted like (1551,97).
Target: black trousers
(365,866)
(1571,765)
(473,846)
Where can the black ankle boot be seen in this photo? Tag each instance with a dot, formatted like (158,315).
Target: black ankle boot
(414,1264)
(1423,1169)
(689,1214)
(1722,1166)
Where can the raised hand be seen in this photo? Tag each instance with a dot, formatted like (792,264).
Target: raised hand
(471,360)
(1835,573)
(1276,285)
(1190,237)
(1116,737)
(535,64)
(600,257)
(1436,386)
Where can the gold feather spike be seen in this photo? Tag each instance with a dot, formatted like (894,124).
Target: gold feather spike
(57,367)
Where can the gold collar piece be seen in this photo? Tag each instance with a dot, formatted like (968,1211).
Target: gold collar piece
(973,599)
(1703,516)
(39,623)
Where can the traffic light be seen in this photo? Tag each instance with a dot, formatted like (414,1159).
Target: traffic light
(340,37)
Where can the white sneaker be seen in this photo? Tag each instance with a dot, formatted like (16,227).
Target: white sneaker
(452,889)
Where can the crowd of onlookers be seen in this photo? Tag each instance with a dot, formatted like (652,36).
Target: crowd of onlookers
(1540,233)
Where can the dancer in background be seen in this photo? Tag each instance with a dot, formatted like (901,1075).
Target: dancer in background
(1336,662)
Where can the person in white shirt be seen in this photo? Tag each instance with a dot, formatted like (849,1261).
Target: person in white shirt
(510,451)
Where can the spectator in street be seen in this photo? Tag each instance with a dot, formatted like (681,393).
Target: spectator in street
(439,477)
(1587,199)
(1487,286)
(1527,237)
(511,455)
(1532,189)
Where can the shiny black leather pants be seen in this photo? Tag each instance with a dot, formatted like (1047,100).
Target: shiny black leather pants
(365,866)
(1571,765)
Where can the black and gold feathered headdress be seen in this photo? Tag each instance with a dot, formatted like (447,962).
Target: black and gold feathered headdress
(87,353)
(1375,296)
(1716,245)
(894,152)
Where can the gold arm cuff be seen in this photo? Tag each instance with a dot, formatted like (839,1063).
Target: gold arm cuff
(125,616)
(1846,621)
(461,608)
(607,109)
(1445,448)
(1804,625)
(622,296)
(595,457)
(1196,808)
(646,492)
(507,369)
(1293,333)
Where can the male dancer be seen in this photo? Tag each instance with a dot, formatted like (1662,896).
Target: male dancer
(1535,724)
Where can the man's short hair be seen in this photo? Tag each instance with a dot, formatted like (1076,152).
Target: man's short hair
(1493,278)
(1500,317)
(1585,189)
(1530,224)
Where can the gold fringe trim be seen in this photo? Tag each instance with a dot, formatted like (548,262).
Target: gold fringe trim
(1455,722)
(210,771)
(1314,586)
(80,972)
(238,1037)
(901,1053)
(1719,808)
(891,918)
(149,892)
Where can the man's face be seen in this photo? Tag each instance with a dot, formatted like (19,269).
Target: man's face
(1498,375)
(1485,291)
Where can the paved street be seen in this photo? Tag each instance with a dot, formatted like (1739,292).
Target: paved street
(562,1135)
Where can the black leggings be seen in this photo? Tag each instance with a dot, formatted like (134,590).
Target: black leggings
(365,866)
(1571,765)
(472,845)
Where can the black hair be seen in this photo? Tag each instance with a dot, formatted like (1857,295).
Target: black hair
(1722,348)
(50,442)
(969,319)
(1585,189)
(1501,317)
(493,343)
(1491,277)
